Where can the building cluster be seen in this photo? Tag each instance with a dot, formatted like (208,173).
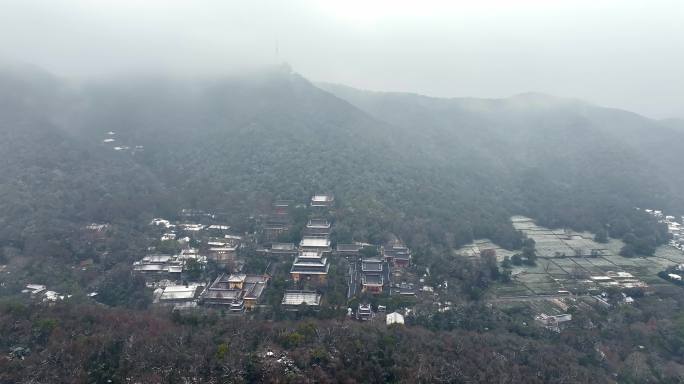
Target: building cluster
(40,292)
(236,292)
(312,255)
(605,301)
(623,280)
(364,312)
(156,267)
(200,239)
(553,322)
(215,241)
(674,274)
(674,227)
(311,262)
(374,275)
(374,272)
(396,253)
(232,292)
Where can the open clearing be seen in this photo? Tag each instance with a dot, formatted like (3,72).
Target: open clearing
(559,268)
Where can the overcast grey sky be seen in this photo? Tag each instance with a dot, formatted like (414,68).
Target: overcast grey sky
(620,53)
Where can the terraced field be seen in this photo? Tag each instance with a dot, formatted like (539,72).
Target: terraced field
(559,268)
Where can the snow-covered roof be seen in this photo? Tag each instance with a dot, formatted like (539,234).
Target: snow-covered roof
(394,318)
(219,227)
(301,297)
(237,278)
(315,242)
(179,292)
(321,198)
(36,287)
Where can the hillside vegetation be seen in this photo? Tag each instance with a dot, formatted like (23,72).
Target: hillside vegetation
(438,172)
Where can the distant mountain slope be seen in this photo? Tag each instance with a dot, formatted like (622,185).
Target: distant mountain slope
(239,142)
(52,181)
(437,172)
(574,148)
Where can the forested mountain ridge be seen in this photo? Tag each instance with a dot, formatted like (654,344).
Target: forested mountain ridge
(573,163)
(537,130)
(437,172)
(52,180)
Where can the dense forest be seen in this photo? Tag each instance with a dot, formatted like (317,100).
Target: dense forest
(79,342)
(435,171)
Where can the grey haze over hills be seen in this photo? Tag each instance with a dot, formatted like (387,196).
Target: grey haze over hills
(236,142)
(617,53)
(673,123)
(533,125)
(542,127)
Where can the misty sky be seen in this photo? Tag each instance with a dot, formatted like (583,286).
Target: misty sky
(626,54)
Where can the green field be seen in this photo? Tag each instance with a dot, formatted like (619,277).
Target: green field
(553,273)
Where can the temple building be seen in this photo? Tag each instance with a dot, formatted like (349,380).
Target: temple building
(310,266)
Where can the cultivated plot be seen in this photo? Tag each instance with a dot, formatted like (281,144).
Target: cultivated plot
(568,260)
